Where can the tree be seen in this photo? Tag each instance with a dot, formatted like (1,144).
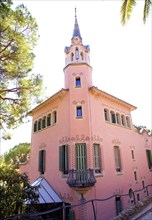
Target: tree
(19,87)
(15,190)
(127,7)
(17,155)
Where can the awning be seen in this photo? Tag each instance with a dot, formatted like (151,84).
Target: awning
(46,193)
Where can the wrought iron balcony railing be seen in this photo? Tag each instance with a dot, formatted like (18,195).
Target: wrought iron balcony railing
(81,178)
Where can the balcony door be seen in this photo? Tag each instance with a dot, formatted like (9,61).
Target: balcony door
(81,157)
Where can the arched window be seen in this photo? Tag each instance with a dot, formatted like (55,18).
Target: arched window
(106,114)
(72,55)
(39,124)
(76,53)
(48,119)
(82,57)
(123,122)
(35,126)
(44,122)
(54,117)
(113,117)
(128,122)
(118,118)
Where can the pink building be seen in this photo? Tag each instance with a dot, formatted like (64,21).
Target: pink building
(84,142)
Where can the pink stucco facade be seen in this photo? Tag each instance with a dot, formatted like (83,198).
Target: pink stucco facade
(98,131)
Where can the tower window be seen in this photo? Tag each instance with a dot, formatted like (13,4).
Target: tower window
(82,58)
(78,82)
(79,111)
(76,53)
(72,55)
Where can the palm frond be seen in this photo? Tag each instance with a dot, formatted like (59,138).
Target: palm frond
(146,9)
(126,9)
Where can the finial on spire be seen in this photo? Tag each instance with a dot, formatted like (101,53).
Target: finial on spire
(76,31)
(75,12)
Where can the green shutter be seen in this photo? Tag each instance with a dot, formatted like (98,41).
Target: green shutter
(149,158)
(61,158)
(41,161)
(81,157)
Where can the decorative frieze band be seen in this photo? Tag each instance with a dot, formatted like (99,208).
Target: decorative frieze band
(82,137)
(78,102)
(77,74)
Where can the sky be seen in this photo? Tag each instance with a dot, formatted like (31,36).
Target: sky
(120,55)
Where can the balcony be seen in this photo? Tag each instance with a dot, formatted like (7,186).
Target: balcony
(81,178)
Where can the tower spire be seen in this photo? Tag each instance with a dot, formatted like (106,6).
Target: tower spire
(76,31)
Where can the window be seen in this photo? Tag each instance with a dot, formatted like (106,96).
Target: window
(63,159)
(41,161)
(128,122)
(76,53)
(81,56)
(35,126)
(48,119)
(81,156)
(118,118)
(39,124)
(135,176)
(44,122)
(138,197)
(72,55)
(149,158)
(78,82)
(118,204)
(117,159)
(54,117)
(97,158)
(123,120)
(106,114)
(132,154)
(113,117)
(79,111)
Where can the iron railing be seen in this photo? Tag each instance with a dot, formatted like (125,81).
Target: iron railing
(81,178)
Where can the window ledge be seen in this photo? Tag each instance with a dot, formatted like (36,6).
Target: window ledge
(98,174)
(119,173)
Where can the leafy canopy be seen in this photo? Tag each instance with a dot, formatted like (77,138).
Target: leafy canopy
(15,190)
(127,7)
(17,155)
(19,88)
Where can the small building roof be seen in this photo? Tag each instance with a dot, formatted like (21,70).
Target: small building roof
(46,193)
(59,94)
(99,92)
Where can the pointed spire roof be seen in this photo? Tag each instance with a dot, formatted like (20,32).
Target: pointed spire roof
(76,31)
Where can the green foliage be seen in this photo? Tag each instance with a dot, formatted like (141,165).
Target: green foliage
(17,155)
(15,190)
(127,7)
(19,88)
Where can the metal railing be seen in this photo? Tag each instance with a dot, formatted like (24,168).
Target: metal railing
(81,178)
(92,203)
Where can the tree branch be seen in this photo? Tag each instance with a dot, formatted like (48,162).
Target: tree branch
(7,46)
